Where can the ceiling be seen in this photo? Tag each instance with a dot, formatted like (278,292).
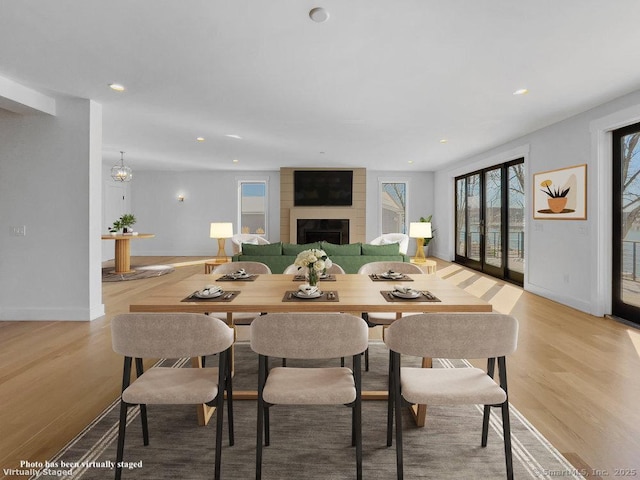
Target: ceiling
(378,85)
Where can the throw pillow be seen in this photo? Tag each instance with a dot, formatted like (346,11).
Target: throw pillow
(347,250)
(295,249)
(379,250)
(270,250)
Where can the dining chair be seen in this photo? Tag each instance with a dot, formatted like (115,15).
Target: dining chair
(172,335)
(402,239)
(294,269)
(383,318)
(308,336)
(453,336)
(253,268)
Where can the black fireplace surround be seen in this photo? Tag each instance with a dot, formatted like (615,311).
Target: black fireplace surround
(334,231)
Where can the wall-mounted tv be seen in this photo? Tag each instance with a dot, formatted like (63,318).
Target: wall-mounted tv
(317,188)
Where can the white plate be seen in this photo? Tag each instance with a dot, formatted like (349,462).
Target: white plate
(213,295)
(393,276)
(300,294)
(411,294)
(237,276)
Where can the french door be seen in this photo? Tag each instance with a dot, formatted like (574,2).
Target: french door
(490,221)
(626,223)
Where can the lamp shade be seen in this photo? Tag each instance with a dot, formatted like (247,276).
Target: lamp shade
(221,230)
(420,230)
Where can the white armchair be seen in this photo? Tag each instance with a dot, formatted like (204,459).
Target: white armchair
(238,239)
(387,238)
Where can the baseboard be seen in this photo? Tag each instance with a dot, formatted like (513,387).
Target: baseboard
(51,314)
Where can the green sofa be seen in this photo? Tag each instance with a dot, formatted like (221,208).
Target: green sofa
(350,257)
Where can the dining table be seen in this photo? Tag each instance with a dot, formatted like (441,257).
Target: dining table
(348,293)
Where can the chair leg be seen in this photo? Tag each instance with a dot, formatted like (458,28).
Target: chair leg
(485,425)
(222,374)
(366,360)
(121,433)
(357,412)
(397,405)
(261,415)
(122,426)
(506,424)
(229,387)
(143,407)
(390,403)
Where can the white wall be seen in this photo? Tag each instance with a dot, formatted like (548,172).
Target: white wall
(182,228)
(50,181)
(565,259)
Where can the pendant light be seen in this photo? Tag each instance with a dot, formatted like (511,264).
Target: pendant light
(120,173)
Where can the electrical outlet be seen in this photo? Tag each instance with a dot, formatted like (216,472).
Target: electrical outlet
(19,231)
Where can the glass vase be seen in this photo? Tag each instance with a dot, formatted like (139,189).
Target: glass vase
(313,276)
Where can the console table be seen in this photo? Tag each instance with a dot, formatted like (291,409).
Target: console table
(123,249)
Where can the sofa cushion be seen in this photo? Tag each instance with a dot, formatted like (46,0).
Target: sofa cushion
(269,250)
(347,250)
(295,249)
(391,249)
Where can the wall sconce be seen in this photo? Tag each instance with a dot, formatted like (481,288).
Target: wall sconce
(181,198)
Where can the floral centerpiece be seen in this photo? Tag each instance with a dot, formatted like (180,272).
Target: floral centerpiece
(315,260)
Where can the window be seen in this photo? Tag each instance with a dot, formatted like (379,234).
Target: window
(393,207)
(489,209)
(252,207)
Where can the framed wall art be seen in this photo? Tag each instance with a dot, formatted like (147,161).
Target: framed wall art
(560,194)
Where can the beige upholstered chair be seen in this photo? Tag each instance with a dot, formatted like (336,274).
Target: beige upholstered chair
(381,267)
(473,335)
(254,268)
(172,335)
(387,238)
(308,336)
(239,238)
(333,269)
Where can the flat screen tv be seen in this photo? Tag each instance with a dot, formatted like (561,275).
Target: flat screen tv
(318,188)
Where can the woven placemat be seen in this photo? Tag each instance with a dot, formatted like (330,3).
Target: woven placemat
(379,278)
(425,297)
(227,296)
(325,297)
(231,278)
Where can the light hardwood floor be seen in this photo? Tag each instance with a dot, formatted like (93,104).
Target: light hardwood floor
(575,377)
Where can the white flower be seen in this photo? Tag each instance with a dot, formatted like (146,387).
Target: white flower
(313,258)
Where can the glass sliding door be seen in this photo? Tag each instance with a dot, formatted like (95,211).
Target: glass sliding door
(626,223)
(490,221)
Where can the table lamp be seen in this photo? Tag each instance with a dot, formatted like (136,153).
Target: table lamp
(221,231)
(420,231)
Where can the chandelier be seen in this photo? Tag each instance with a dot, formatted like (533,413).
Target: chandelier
(120,173)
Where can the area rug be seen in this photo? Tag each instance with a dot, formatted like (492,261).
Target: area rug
(309,442)
(138,273)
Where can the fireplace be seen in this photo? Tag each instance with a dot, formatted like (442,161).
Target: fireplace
(311,230)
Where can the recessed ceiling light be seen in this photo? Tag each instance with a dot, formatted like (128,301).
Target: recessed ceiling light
(200,139)
(410,162)
(235,160)
(319,15)
(522,91)
(117,87)
(443,140)
(230,135)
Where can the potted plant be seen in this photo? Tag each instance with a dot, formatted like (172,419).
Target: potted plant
(125,222)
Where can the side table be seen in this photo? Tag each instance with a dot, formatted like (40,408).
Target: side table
(210,265)
(428,266)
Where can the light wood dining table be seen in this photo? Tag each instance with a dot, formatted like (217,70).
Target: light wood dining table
(271,293)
